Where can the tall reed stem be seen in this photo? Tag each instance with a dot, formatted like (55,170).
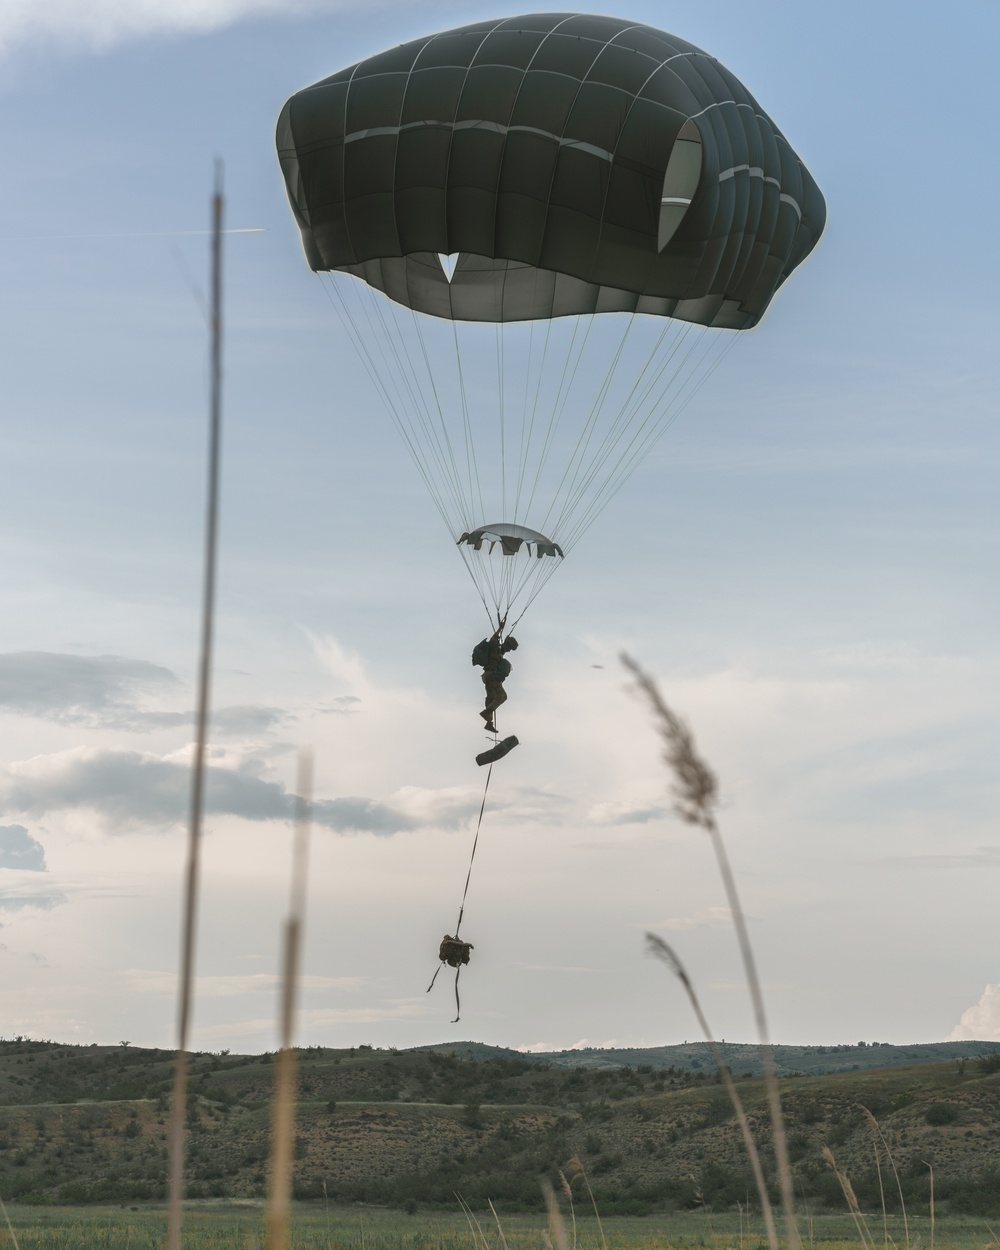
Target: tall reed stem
(877,1136)
(930,1166)
(696,794)
(664,952)
(283,1121)
(779,1137)
(10,1226)
(192,873)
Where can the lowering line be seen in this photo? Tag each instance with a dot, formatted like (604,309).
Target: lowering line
(453,950)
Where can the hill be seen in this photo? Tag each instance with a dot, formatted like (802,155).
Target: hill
(739,1057)
(82,1124)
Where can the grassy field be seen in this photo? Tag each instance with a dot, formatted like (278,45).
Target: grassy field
(240,1227)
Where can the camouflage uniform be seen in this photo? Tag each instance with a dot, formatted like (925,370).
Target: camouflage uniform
(496,670)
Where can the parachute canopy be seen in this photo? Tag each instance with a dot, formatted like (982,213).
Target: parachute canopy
(511,537)
(549,165)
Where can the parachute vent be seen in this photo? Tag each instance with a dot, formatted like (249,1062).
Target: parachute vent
(449,263)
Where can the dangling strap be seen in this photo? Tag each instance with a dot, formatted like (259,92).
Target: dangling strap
(461,910)
(458,1005)
(475,843)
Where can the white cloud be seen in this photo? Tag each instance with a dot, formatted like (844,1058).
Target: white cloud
(550,1048)
(19,898)
(103,692)
(344,666)
(99,24)
(18,849)
(132,788)
(245,719)
(980,1023)
(627,813)
(75,689)
(449,807)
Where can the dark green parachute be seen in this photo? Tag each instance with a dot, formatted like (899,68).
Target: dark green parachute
(574,163)
(522,170)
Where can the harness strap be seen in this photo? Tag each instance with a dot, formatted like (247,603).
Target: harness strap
(465,892)
(475,843)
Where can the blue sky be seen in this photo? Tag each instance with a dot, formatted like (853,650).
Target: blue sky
(807,562)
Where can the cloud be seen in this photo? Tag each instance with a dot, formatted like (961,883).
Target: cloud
(342,705)
(551,1048)
(153,982)
(31,956)
(19,900)
(981,857)
(448,808)
(245,719)
(76,689)
(18,849)
(626,813)
(103,692)
(315,1018)
(133,788)
(100,24)
(980,1023)
(699,920)
(343,665)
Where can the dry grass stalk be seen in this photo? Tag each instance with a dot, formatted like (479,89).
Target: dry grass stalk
(10,1226)
(809,1216)
(503,1235)
(192,874)
(930,1167)
(880,1137)
(283,1106)
(579,1171)
(867,1241)
(479,1239)
(696,793)
(568,1191)
(557,1228)
(664,952)
(873,1124)
(464,1208)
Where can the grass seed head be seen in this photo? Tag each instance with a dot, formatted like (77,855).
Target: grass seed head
(695,788)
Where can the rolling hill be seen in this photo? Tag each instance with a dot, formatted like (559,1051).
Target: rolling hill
(653,1128)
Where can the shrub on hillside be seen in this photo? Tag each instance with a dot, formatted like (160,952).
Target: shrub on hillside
(939,1113)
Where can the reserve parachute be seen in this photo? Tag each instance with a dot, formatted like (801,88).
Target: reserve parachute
(541,234)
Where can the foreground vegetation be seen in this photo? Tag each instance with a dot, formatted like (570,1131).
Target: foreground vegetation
(412,1129)
(228,1227)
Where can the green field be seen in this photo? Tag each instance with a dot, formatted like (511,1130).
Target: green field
(240,1226)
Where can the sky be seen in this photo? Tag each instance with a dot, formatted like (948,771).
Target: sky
(807,564)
